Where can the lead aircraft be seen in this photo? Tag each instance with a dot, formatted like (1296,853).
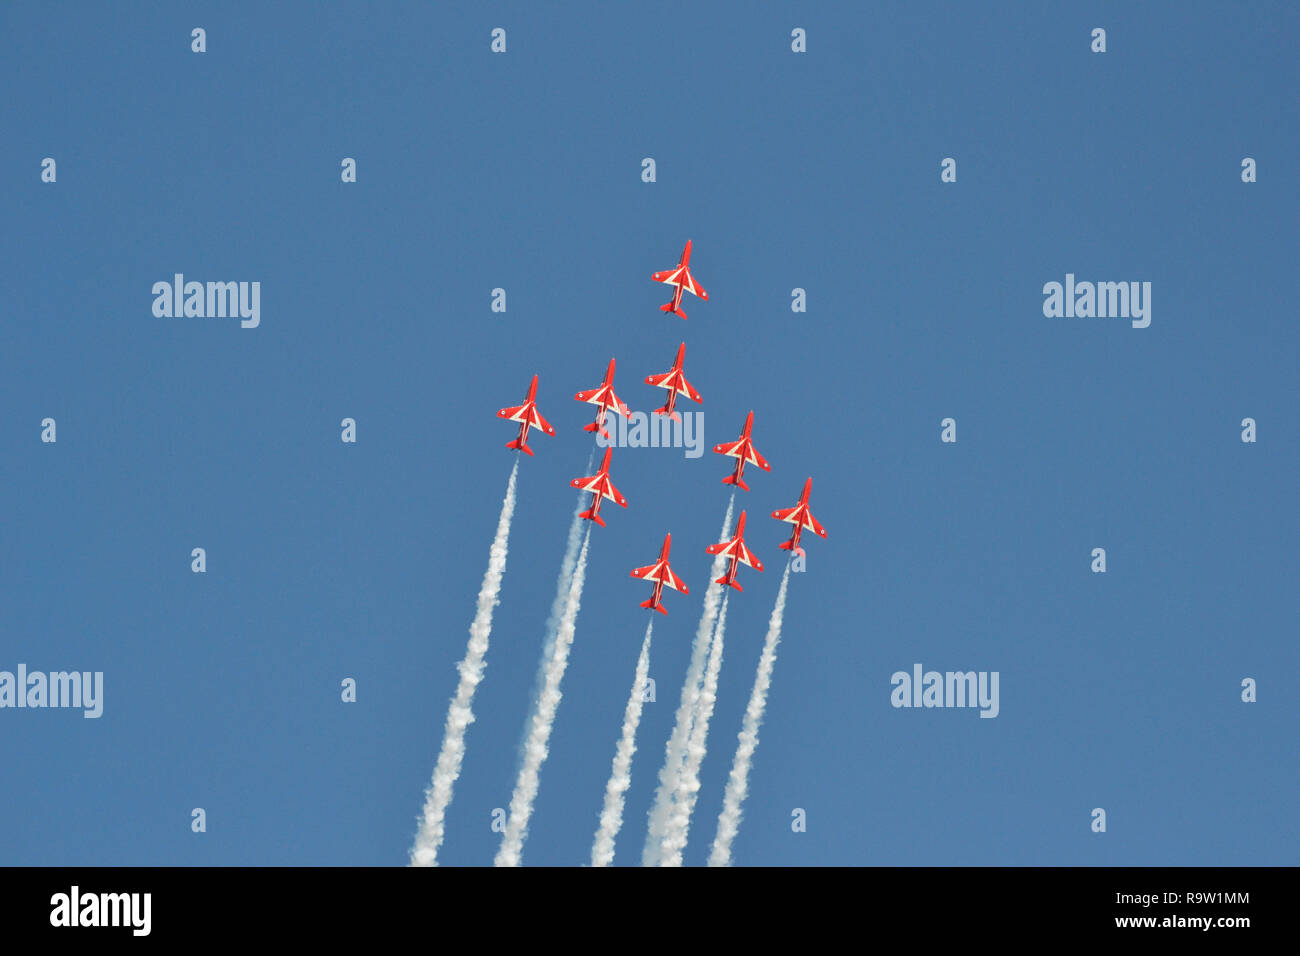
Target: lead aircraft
(682,281)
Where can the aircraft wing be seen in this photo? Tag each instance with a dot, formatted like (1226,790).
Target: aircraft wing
(813,525)
(693,287)
(647,572)
(669,275)
(613,494)
(747,557)
(673,581)
(787,514)
(539,422)
(688,390)
(660,381)
(730,448)
(722,547)
(586,484)
(757,459)
(511,413)
(604,396)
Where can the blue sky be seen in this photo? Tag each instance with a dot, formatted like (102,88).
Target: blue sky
(522,171)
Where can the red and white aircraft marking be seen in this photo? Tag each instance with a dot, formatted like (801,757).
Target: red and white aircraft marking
(801,517)
(528,417)
(675,381)
(600,487)
(660,574)
(605,401)
(739,554)
(742,449)
(682,281)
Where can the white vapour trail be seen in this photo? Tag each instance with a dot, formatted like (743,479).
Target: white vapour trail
(688,784)
(571,545)
(541,721)
(620,775)
(738,782)
(459,714)
(675,749)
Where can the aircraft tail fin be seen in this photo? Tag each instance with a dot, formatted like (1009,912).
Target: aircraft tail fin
(733,582)
(592,517)
(668,307)
(519,445)
(733,480)
(652,605)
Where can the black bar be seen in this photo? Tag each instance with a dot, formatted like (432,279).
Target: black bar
(333,905)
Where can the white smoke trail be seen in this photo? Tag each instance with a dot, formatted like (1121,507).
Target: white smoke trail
(675,749)
(541,721)
(459,714)
(738,782)
(620,775)
(571,545)
(688,785)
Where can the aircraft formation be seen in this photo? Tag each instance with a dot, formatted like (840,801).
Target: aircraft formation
(668,820)
(675,383)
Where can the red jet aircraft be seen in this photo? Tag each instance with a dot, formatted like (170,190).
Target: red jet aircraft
(660,574)
(682,281)
(605,401)
(600,487)
(801,517)
(739,554)
(676,383)
(528,417)
(742,449)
